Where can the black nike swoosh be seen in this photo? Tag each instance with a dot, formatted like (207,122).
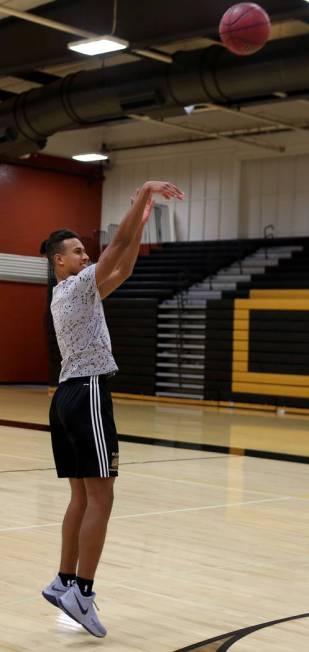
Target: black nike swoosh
(84,611)
(54,588)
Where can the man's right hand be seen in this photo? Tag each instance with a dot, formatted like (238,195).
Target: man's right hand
(165,188)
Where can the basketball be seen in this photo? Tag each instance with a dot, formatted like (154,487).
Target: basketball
(245,28)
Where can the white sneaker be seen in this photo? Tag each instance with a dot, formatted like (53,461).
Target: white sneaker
(81,609)
(54,591)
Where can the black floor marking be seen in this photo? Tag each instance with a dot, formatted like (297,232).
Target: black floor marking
(48,468)
(24,424)
(53,468)
(225,641)
(185,445)
(213,448)
(181,459)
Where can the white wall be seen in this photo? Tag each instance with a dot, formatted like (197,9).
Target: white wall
(211,185)
(276,191)
(227,196)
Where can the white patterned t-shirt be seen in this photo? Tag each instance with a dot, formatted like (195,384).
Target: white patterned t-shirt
(80,327)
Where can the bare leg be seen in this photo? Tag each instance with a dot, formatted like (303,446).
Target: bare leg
(100,496)
(71,526)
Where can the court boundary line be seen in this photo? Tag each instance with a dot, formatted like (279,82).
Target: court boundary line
(170,443)
(226,641)
(161,513)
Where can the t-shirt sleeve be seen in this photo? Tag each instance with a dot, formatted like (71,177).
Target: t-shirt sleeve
(84,283)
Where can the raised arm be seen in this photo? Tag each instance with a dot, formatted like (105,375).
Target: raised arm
(129,232)
(128,259)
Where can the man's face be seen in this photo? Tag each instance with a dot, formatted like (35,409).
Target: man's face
(73,258)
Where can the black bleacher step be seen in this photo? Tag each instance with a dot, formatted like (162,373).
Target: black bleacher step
(120,348)
(181,324)
(285,326)
(180,317)
(275,368)
(280,315)
(132,283)
(146,276)
(219,261)
(131,385)
(188,346)
(278,284)
(279,346)
(291,270)
(182,336)
(136,328)
(276,336)
(184,366)
(158,294)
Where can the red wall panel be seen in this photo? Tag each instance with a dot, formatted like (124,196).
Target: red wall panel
(34,202)
(23,335)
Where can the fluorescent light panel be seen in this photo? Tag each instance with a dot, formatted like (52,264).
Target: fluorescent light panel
(89,158)
(100,45)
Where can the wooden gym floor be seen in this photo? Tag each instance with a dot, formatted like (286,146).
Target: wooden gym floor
(206,549)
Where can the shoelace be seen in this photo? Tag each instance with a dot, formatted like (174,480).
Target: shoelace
(96,606)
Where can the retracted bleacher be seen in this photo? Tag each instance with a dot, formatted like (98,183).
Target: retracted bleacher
(131,311)
(258,335)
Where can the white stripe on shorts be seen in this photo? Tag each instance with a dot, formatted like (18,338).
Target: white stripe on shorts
(97,425)
(102,440)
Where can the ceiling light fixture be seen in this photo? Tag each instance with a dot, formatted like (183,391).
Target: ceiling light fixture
(201,107)
(99,45)
(90,158)
(282,94)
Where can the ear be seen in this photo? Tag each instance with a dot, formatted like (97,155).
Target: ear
(58,259)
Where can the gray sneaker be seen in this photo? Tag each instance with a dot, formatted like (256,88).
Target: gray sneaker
(81,609)
(54,591)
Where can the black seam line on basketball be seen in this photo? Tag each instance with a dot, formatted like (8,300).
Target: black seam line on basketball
(244,42)
(238,634)
(233,22)
(234,30)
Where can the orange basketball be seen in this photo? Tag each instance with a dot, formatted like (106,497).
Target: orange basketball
(245,28)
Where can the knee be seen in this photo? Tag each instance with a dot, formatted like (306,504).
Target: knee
(101,494)
(78,503)
(78,494)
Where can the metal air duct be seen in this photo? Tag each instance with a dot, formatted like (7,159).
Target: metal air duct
(147,87)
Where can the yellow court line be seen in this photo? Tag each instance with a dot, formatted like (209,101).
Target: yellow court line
(271,304)
(291,380)
(281,294)
(272,390)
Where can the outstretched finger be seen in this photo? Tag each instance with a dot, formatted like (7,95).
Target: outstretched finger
(134,196)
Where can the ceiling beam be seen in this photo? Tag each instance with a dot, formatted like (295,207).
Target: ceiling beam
(138,22)
(217,135)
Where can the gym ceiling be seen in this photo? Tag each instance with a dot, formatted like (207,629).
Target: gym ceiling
(174,83)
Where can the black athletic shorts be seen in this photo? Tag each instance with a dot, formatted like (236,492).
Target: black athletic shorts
(83,432)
